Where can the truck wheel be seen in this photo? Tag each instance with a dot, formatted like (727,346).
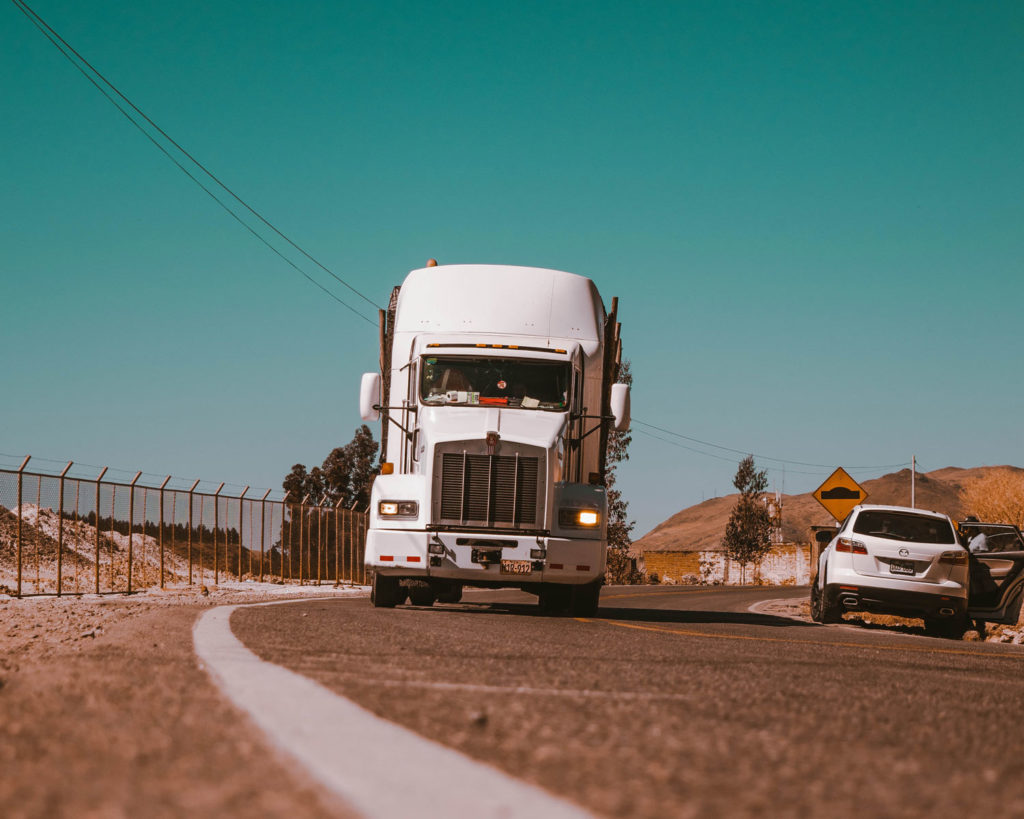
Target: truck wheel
(452,593)
(385,592)
(584,600)
(421,594)
(554,598)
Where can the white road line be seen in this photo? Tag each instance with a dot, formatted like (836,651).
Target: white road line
(377,767)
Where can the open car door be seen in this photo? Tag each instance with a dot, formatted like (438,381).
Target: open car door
(997,570)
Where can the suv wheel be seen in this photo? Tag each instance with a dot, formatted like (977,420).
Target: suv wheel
(829,610)
(816,613)
(951,628)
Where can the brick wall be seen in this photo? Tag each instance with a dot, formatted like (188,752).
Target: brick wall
(785,564)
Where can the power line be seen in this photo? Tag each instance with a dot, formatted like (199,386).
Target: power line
(746,452)
(64,47)
(724,458)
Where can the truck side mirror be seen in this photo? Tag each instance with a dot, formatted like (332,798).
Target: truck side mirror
(369,396)
(620,406)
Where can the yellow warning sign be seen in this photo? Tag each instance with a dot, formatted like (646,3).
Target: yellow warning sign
(839,494)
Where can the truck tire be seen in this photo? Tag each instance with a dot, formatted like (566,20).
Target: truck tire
(421,594)
(584,600)
(554,598)
(385,592)
(452,593)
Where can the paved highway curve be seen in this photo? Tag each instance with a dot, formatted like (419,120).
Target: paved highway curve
(679,701)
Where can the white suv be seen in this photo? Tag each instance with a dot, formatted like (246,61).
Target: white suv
(894,560)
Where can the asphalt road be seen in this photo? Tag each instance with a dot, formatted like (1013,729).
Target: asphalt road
(679,701)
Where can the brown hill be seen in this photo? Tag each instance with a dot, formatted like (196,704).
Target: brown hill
(700,527)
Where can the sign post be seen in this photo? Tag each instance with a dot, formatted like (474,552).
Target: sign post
(839,494)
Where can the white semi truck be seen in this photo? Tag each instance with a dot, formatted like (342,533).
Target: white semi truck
(497,391)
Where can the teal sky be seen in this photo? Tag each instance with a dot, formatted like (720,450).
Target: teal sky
(812,215)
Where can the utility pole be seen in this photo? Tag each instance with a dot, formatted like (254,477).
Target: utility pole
(913,479)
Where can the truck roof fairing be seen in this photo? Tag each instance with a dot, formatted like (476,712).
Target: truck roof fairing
(501,300)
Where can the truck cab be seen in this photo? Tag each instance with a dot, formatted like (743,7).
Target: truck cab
(496,397)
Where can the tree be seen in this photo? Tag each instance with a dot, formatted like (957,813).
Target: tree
(298,484)
(996,497)
(346,474)
(349,470)
(748,532)
(621,567)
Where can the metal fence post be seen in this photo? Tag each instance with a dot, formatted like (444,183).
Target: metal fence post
(241,504)
(337,543)
(263,528)
(60,532)
(302,527)
(319,542)
(352,542)
(363,518)
(78,521)
(216,524)
(191,490)
(162,487)
(286,541)
(21,513)
(99,482)
(131,524)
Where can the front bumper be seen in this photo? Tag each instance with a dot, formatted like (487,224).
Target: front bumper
(406,553)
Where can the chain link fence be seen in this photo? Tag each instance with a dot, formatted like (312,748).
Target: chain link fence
(67,529)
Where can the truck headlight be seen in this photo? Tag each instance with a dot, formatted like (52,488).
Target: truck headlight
(579,518)
(398,509)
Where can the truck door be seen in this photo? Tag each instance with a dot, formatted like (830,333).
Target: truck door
(997,570)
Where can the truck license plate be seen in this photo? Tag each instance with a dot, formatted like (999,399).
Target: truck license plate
(515,567)
(901,567)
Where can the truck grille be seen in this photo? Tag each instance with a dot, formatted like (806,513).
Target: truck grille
(489,490)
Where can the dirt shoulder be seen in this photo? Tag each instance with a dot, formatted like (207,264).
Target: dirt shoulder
(104,711)
(799,608)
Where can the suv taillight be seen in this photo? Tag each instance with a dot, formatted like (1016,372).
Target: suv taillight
(845,544)
(957,558)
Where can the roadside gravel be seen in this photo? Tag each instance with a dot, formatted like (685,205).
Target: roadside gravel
(104,711)
(798,608)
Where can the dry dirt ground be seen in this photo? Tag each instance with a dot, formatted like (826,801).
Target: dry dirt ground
(800,609)
(105,712)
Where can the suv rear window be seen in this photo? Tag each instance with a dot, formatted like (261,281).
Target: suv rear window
(904,526)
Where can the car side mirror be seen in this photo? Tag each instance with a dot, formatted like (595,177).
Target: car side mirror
(824,536)
(369,396)
(620,406)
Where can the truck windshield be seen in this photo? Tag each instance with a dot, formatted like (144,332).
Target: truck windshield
(505,382)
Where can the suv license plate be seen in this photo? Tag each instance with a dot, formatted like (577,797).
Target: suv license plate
(516,567)
(901,567)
